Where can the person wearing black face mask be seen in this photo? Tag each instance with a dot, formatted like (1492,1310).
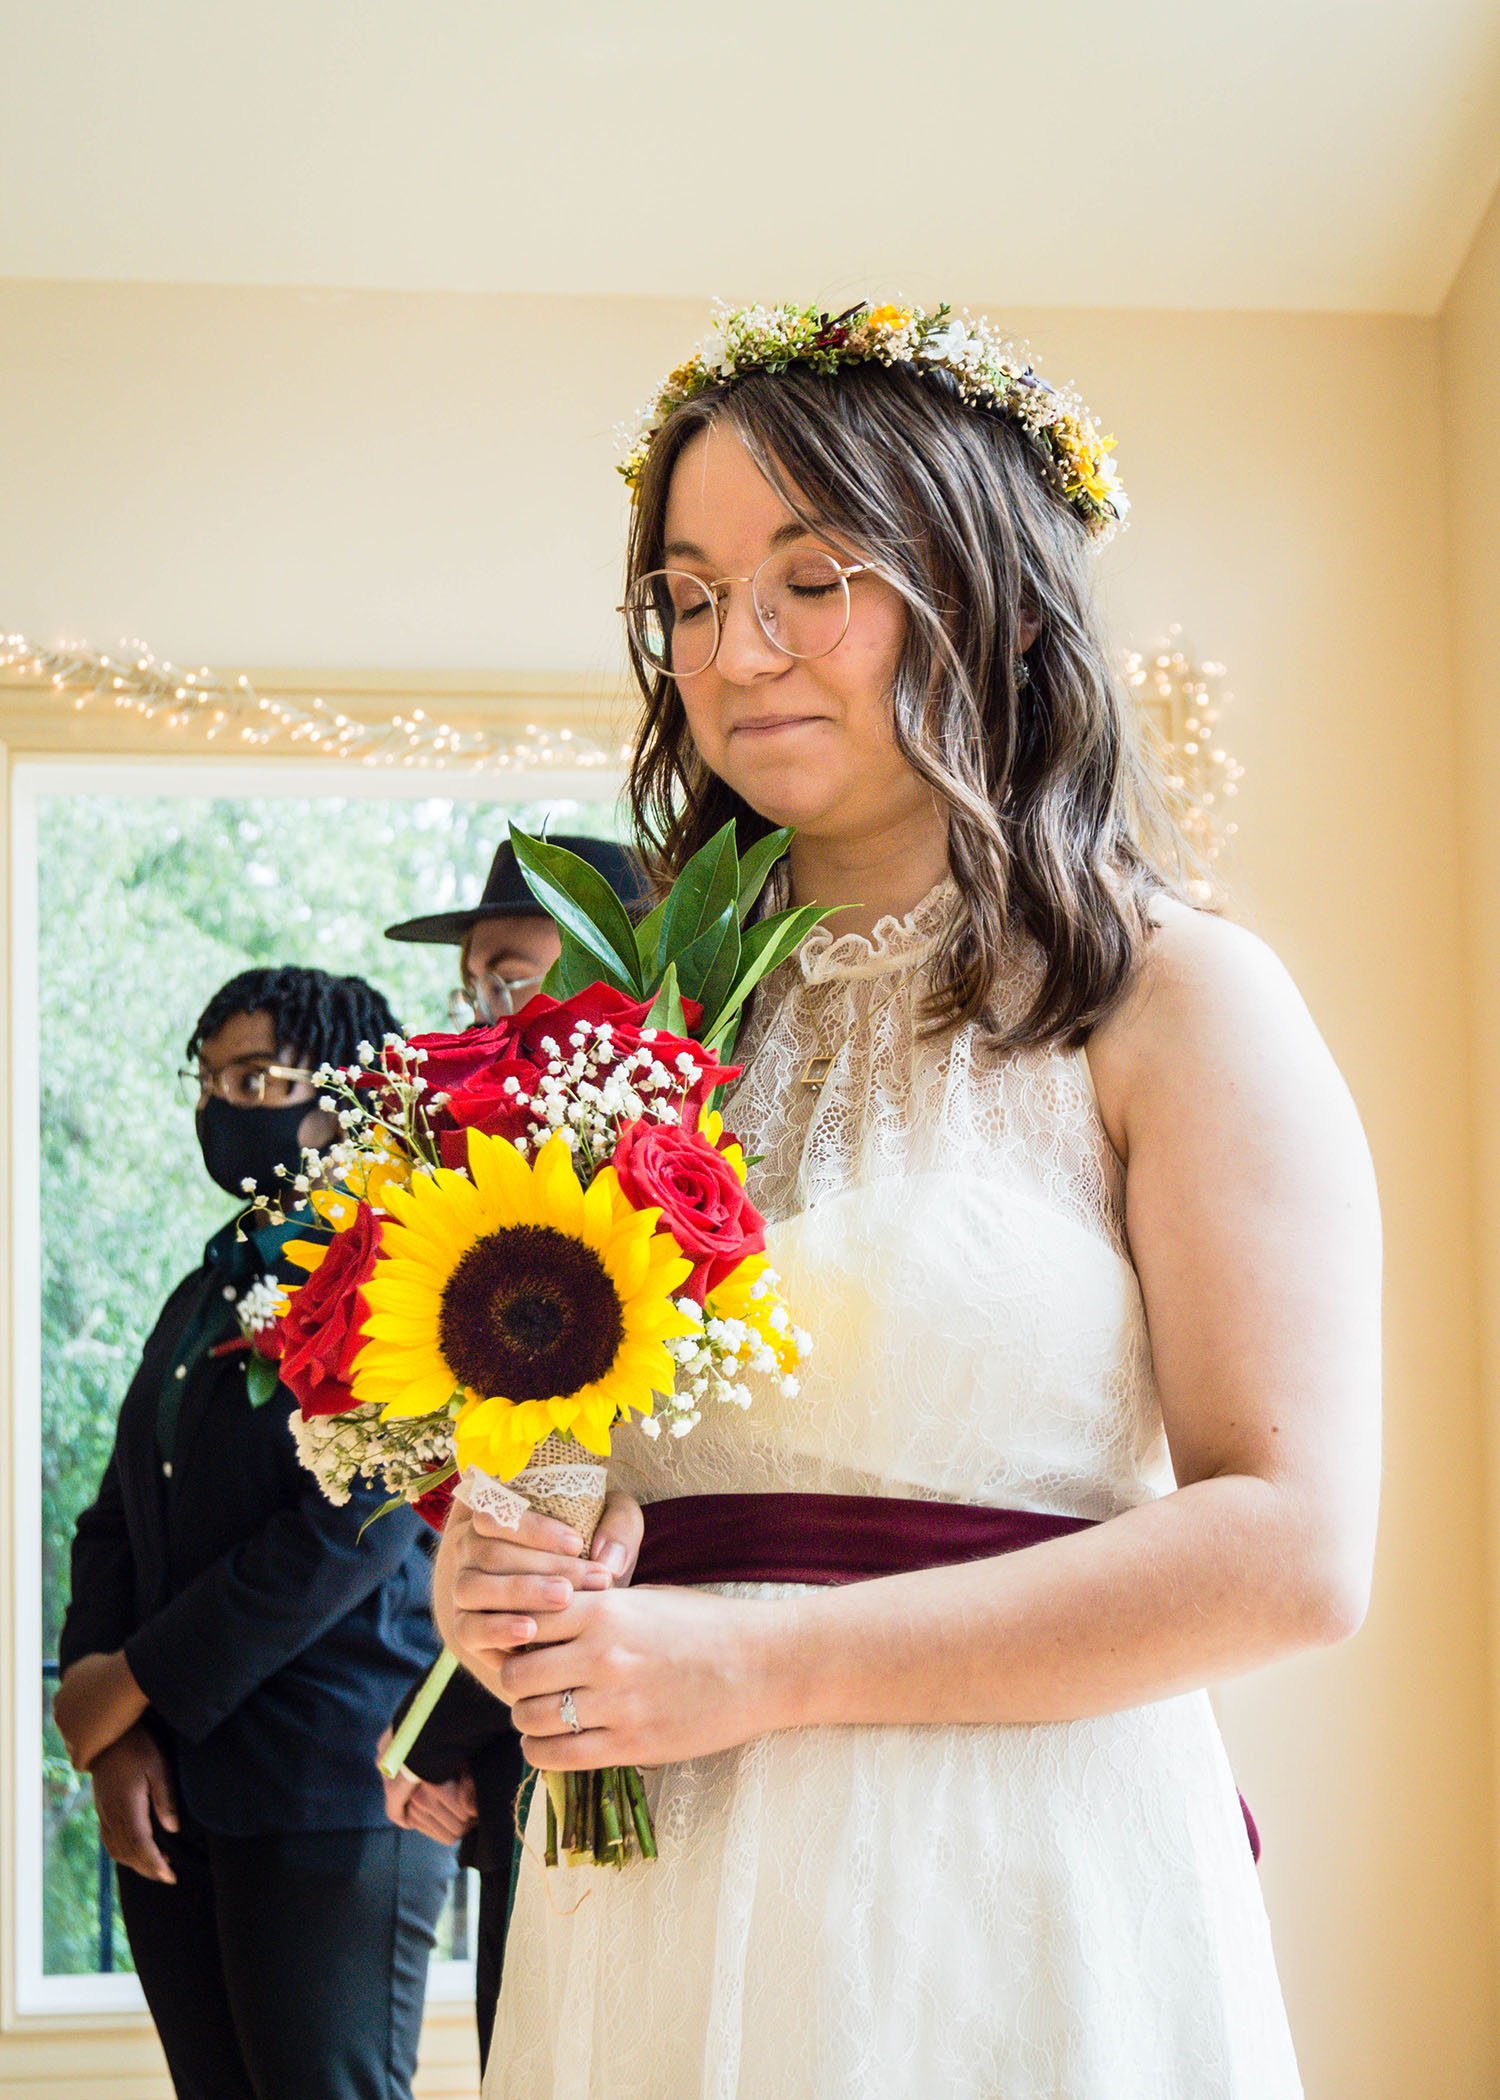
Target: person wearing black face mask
(233,1647)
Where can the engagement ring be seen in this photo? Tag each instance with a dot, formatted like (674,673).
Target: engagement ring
(570,1712)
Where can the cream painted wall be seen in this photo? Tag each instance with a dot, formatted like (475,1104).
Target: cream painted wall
(1470,351)
(372,480)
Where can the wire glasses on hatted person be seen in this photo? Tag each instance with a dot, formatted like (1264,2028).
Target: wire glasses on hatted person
(487,996)
(800,596)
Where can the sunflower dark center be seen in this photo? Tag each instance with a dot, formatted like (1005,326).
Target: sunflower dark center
(529,1313)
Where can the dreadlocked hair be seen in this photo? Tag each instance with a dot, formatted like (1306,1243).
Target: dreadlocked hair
(319,1018)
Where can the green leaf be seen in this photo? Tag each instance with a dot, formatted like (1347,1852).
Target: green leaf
(584,905)
(648,942)
(666,1009)
(574,970)
(719,980)
(767,943)
(261,1378)
(696,965)
(396,1502)
(698,898)
(756,866)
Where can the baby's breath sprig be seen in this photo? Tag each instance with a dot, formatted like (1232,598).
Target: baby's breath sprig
(589,1090)
(339,1450)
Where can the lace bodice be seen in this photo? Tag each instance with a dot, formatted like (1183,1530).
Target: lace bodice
(948,1224)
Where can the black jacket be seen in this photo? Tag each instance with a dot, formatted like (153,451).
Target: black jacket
(270,1638)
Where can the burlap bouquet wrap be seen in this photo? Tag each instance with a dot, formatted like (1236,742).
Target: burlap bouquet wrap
(593,1818)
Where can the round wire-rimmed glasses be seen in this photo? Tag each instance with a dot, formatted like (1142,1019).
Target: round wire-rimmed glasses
(800,596)
(490,997)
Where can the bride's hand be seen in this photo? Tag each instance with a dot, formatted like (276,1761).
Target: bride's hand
(657,1675)
(492,1586)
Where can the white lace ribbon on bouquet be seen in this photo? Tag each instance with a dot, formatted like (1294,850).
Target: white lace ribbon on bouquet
(561,1488)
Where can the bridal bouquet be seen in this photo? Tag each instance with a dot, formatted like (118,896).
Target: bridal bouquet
(539,1228)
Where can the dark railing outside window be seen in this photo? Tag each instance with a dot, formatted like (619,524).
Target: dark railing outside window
(61,1810)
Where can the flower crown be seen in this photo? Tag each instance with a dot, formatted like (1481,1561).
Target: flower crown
(991,372)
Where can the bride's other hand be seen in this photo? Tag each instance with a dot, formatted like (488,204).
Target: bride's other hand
(657,1675)
(492,1587)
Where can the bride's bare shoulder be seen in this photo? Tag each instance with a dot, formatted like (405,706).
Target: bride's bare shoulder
(1212,1010)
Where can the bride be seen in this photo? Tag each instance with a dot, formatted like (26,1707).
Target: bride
(1065,1184)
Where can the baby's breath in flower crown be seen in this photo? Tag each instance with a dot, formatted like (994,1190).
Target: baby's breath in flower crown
(990,371)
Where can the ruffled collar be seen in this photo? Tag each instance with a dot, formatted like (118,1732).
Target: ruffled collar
(895,943)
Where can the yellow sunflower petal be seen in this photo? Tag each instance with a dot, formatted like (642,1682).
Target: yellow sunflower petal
(598,1214)
(502,1178)
(556,1181)
(425,1397)
(627,1264)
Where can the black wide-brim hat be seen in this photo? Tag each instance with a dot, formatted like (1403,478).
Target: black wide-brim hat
(506,895)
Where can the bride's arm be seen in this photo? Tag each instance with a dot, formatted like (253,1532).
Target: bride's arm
(1254,1229)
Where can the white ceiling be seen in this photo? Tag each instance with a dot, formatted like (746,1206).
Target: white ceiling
(1313,154)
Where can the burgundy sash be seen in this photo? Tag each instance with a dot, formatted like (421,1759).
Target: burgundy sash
(836,1538)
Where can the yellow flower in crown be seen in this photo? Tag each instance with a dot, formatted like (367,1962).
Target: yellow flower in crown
(888,317)
(1097,474)
(535,1302)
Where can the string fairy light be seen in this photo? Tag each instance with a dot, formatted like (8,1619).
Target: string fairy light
(1182,703)
(137,682)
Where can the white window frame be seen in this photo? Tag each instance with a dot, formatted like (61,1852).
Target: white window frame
(33,1993)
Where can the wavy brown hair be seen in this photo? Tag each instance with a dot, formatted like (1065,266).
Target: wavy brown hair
(1058,823)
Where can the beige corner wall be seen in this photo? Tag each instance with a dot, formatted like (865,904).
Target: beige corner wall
(1470,353)
(368,480)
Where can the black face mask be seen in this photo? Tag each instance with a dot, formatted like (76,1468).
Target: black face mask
(249,1144)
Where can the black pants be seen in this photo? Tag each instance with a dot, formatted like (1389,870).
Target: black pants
(489,1953)
(290,1967)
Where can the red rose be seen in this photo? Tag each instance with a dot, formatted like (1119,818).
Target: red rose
(322,1324)
(483,1103)
(269,1342)
(702,1200)
(433,1507)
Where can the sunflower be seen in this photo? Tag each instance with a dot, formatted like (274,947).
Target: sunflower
(539,1304)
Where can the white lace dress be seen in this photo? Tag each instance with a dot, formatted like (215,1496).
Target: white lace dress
(1056,1912)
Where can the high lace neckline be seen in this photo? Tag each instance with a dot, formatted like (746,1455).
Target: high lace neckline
(895,942)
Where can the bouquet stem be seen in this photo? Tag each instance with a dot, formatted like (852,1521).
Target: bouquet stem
(433,1686)
(601,1818)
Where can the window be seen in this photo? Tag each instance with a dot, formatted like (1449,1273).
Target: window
(138,890)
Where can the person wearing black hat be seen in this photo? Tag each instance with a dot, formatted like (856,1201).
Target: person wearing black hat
(462,1775)
(507,942)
